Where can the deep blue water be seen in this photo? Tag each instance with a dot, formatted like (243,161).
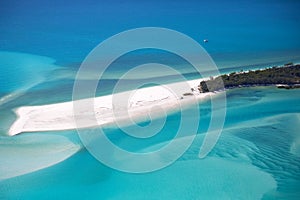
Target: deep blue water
(240,33)
(42,44)
(68,30)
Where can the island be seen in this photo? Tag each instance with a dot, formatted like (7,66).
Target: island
(287,76)
(139,102)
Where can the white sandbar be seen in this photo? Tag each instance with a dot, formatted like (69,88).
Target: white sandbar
(60,116)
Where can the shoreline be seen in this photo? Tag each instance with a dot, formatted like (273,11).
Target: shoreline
(60,116)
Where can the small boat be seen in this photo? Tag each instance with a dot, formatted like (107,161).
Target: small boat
(205,40)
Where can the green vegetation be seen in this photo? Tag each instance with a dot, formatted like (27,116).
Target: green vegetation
(287,75)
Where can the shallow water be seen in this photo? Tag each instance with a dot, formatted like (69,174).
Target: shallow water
(257,156)
(252,159)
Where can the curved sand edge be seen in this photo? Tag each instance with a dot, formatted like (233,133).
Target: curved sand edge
(60,116)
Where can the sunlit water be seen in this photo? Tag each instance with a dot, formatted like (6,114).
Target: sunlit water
(256,157)
(258,153)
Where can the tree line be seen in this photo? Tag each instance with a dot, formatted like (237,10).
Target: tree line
(288,74)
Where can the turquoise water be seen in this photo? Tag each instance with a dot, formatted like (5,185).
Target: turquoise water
(256,157)
(258,154)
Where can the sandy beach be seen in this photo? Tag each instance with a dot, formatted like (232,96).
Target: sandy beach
(140,103)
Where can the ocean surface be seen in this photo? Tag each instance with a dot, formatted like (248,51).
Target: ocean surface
(258,154)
